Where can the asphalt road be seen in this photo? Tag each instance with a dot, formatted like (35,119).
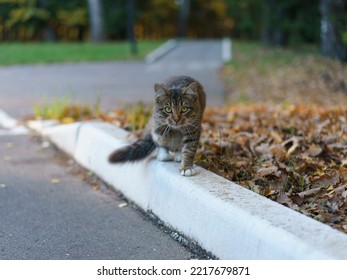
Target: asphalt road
(47,211)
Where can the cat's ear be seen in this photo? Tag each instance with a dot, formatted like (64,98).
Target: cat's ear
(157,87)
(159,90)
(192,88)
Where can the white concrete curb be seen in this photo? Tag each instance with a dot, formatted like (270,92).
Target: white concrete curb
(161,51)
(224,218)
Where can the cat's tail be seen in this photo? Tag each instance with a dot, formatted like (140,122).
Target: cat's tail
(134,152)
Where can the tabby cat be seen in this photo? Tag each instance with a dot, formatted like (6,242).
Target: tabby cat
(175,125)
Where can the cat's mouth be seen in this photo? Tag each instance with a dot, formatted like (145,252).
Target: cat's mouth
(175,126)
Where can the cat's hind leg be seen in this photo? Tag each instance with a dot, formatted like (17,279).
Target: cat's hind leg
(178,156)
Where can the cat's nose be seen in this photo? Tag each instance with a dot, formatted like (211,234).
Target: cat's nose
(176,120)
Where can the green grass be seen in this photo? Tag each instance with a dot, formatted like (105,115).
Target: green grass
(53,110)
(139,115)
(31,53)
(63,110)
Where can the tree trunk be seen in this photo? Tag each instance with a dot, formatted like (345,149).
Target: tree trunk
(131,26)
(333,24)
(273,15)
(96,20)
(183,18)
(49,34)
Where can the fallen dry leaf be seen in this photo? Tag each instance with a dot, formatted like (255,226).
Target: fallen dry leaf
(55,181)
(122,205)
(68,120)
(9,145)
(7,158)
(309,192)
(314,150)
(266,171)
(292,143)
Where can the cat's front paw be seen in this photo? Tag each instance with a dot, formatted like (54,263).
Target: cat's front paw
(187,172)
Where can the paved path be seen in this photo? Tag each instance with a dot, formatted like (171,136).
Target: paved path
(67,220)
(21,87)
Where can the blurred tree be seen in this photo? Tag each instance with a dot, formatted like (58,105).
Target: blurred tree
(184,6)
(26,18)
(274,14)
(334,28)
(5,8)
(156,19)
(244,18)
(68,20)
(208,19)
(74,22)
(286,22)
(276,22)
(96,20)
(130,26)
(115,20)
(48,32)
(43,19)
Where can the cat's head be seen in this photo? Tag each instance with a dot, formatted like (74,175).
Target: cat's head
(177,107)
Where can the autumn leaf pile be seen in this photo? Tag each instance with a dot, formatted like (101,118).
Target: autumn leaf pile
(296,156)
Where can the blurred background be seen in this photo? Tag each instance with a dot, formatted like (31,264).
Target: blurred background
(280,23)
(292,51)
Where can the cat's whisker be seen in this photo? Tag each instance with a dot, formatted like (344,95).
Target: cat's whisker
(192,126)
(167,130)
(164,129)
(188,130)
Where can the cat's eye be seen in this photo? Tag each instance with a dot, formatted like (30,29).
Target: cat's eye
(184,109)
(168,109)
